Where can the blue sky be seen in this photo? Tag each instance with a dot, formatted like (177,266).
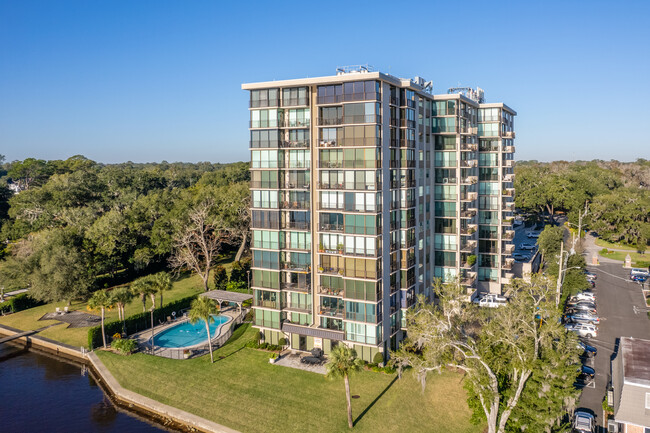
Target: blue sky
(119,80)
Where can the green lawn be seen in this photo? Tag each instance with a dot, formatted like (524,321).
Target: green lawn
(620,245)
(243,391)
(638,260)
(28,319)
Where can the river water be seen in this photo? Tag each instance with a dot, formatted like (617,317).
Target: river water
(43,393)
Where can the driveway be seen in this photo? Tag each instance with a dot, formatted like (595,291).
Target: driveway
(622,312)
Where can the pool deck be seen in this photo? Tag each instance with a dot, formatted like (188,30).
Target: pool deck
(144,338)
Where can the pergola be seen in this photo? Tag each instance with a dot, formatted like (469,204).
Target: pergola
(225,296)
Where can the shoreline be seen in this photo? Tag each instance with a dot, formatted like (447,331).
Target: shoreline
(157,412)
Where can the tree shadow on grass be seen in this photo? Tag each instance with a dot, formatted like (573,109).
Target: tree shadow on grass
(361,415)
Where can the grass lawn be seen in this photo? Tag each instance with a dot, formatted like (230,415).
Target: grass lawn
(638,260)
(28,319)
(620,245)
(243,391)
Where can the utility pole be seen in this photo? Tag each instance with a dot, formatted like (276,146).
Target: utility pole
(559,276)
(580,216)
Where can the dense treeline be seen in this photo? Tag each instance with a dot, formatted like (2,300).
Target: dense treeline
(76,225)
(616,195)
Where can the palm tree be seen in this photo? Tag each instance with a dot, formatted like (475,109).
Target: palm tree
(202,309)
(101,300)
(122,296)
(143,287)
(161,282)
(342,362)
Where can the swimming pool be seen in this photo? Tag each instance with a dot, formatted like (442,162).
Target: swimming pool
(185,334)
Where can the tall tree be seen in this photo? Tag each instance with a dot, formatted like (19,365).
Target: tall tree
(199,241)
(161,282)
(498,350)
(122,296)
(203,308)
(143,287)
(101,300)
(343,362)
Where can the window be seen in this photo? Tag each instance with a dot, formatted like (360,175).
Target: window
(265,118)
(265,239)
(266,158)
(265,199)
(264,98)
(647,401)
(265,138)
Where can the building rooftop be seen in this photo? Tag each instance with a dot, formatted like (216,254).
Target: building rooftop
(636,360)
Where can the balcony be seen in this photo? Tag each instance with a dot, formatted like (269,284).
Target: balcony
(509,134)
(507,221)
(468,147)
(468,196)
(331,227)
(507,263)
(302,144)
(510,177)
(468,247)
(301,205)
(331,312)
(469,213)
(469,280)
(323,185)
(508,192)
(447,180)
(300,308)
(509,235)
(331,271)
(509,149)
(509,206)
(330,121)
(266,304)
(294,185)
(468,163)
(508,163)
(408,283)
(296,267)
(296,287)
(509,248)
(330,291)
(297,225)
(469,180)
(328,143)
(408,262)
(467,231)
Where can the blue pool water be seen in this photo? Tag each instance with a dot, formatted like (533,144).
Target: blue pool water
(185,334)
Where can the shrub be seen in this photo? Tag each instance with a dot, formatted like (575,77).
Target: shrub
(283,342)
(124,346)
(604,251)
(239,269)
(220,278)
(137,322)
(236,286)
(19,303)
(378,358)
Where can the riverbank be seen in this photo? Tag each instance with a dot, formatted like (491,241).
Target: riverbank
(163,414)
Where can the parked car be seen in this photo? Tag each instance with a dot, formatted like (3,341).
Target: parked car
(533,235)
(592,283)
(590,275)
(520,257)
(635,273)
(583,296)
(581,381)
(587,371)
(575,309)
(491,300)
(527,246)
(579,317)
(585,304)
(583,330)
(583,422)
(588,351)
(639,278)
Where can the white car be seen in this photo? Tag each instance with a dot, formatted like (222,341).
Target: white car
(527,246)
(533,235)
(584,296)
(520,257)
(583,422)
(491,300)
(582,329)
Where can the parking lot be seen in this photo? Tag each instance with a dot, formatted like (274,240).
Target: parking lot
(622,313)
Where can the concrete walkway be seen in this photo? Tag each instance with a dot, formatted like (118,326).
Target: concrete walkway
(151,405)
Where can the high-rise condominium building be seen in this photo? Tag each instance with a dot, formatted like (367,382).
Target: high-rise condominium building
(366,187)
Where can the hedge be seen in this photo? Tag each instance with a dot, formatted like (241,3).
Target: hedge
(136,323)
(19,303)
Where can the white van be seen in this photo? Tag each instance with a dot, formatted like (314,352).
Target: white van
(638,272)
(491,300)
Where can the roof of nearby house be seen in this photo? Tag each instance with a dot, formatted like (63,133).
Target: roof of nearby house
(636,360)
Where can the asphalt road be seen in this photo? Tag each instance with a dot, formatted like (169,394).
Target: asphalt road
(622,313)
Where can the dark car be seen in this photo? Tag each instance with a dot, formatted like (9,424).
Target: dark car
(588,371)
(581,381)
(582,309)
(590,275)
(639,278)
(592,283)
(588,351)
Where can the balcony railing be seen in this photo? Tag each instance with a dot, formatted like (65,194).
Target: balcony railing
(302,205)
(303,308)
(468,147)
(509,149)
(294,185)
(509,134)
(331,270)
(298,225)
(266,304)
(468,247)
(509,163)
(331,312)
(468,196)
(468,213)
(468,163)
(292,266)
(294,144)
(296,287)
(509,235)
(330,291)
(469,180)
(331,227)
